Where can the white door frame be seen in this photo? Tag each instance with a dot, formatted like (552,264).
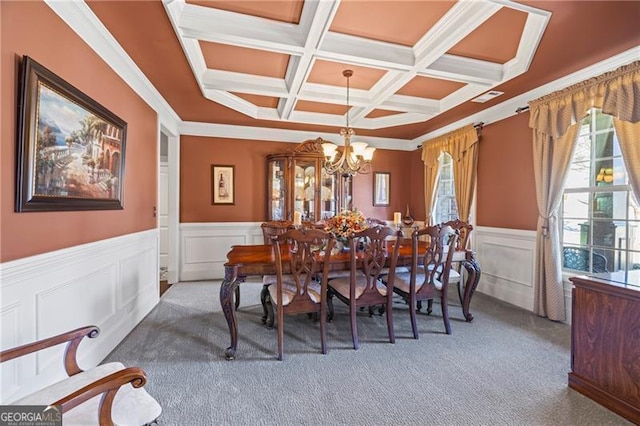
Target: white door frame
(173,223)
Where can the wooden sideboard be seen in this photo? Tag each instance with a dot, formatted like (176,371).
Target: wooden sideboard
(605,341)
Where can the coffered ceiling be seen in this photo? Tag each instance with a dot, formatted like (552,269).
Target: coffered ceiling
(417,64)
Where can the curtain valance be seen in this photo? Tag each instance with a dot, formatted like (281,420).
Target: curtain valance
(456,143)
(616,92)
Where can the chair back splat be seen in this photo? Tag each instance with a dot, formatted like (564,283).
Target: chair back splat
(301,255)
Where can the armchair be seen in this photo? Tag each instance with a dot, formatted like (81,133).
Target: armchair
(123,400)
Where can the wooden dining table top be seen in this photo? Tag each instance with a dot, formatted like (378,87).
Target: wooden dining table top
(260,259)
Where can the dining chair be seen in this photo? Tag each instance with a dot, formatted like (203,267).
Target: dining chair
(455,275)
(269,230)
(363,288)
(428,278)
(301,255)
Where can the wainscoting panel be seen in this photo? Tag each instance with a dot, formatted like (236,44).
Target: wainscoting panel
(507,260)
(110,283)
(204,247)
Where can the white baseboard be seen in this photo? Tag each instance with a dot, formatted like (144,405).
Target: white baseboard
(111,283)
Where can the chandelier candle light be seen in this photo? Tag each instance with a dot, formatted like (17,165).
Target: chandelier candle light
(355,157)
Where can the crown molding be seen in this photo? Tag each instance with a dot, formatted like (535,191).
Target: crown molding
(81,19)
(279,135)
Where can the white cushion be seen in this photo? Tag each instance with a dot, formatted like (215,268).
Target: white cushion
(402,282)
(289,290)
(131,406)
(341,285)
(269,279)
(454,276)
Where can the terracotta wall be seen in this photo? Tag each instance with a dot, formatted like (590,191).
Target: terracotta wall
(31,28)
(505,193)
(506,196)
(197,154)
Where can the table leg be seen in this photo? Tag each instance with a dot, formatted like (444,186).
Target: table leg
(227,290)
(472,267)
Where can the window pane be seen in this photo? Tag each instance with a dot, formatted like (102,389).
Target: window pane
(571,231)
(634,260)
(579,175)
(603,121)
(583,148)
(603,233)
(576,205)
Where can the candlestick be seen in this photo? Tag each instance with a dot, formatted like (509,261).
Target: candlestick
(297,218)
(397,218)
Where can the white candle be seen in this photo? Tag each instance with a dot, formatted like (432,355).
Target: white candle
(297,218)
(397,217)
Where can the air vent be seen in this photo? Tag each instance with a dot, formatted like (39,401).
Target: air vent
(487,96)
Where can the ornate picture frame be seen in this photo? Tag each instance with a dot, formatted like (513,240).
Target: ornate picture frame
(223,184)
(381,188)
(71,149)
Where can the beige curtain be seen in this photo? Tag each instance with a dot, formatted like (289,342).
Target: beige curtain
(461,144)
(464,151)
(551,160)
(430,154)
(554,121)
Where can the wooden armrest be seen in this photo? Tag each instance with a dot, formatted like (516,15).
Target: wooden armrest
(109,385)
(73,337)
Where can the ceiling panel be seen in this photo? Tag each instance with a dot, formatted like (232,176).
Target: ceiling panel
(225,57)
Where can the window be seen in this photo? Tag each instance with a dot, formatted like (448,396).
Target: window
(446,208)
(600,216)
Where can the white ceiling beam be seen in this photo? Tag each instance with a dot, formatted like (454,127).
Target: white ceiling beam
(315,22)
(221,26)
(532,34)
(368,53)
(244,83)
(464,70)
(393,120)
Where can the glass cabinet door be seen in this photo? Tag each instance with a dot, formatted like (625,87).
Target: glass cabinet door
(304,186)
(278,189)
(328,195)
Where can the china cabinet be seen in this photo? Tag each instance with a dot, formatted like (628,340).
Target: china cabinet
(297,182)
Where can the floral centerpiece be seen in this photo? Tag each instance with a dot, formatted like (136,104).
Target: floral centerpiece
(345,223)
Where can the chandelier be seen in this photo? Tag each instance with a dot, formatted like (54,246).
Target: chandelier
(355,157)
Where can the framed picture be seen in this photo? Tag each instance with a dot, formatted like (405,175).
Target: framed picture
(223,184)
(381,188)
(70,148)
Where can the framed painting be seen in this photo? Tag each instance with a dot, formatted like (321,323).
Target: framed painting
(70,149)
(223,184)
(381,188)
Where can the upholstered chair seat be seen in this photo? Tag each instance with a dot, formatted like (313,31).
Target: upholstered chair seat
(131,406)
(289,290)
(341,285)
(403,281)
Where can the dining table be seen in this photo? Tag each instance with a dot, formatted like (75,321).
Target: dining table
(257,260)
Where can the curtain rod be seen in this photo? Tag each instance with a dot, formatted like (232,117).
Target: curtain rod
(522,109)
(477,126)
